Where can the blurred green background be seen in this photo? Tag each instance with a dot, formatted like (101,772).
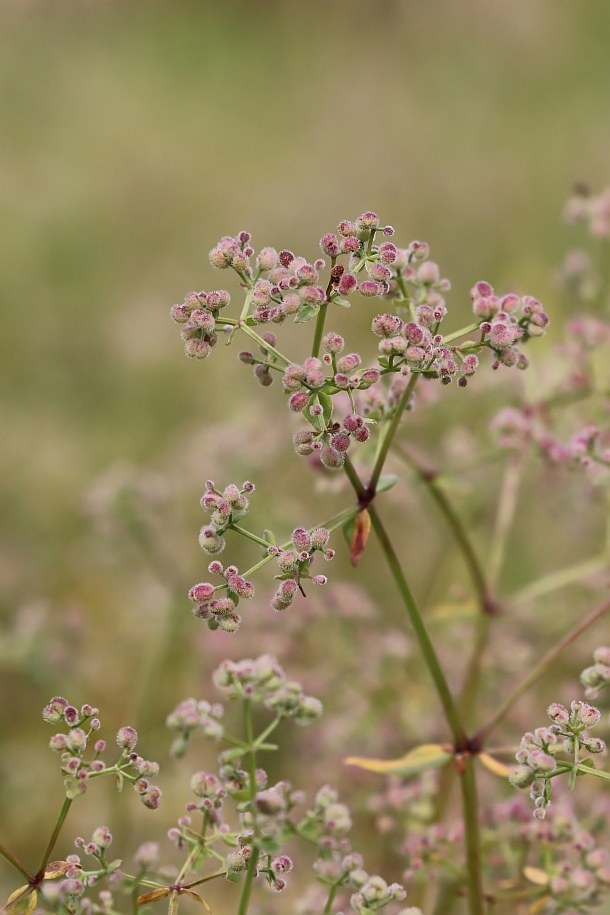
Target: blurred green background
(133,136)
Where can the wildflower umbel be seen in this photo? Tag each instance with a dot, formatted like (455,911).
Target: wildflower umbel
(78,768)
(540,754)
(366,271)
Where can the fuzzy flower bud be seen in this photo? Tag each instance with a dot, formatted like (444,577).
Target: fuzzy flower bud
(127,737)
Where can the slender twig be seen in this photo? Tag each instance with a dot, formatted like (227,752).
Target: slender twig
(390,432)
(585,623)
(246,889)
(463,542)
(415,617)
(14,861)
(474,862)
(63,813)
(319,329)
(505,514)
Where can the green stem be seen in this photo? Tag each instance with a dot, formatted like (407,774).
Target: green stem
(430,480)
(460,333)
(249,535)
(63,813)
(319,329)
(585,623)
(469,794)
(507,504)
(485,600)
(472,836)
(390,433)
(231,322)
(10,857)
(421,633)
(331,898)
(246,890)
(331,525)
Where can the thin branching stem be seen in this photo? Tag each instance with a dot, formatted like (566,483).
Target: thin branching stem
(246,889)
(501,712)
(63,813)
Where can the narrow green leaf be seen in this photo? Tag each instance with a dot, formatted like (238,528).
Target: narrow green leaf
(590,770)
(386,482)
(305,313)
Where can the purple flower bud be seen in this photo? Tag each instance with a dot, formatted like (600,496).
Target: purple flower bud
(284,595)
(195,348)
(263,375)
(240,586)
(319,538)
(209,541)
(367,220)
(267,259)
(379,272)
(329,244)
(151,798)
(387,325)
(54,711)
(71,715)
(340,441)
(371,288)
(58,742)
(102,837)
(180,313)
(301,539)
(362,435)
(298,401)
(127,737)
(369,377)
(201,592)
(331,458)
(303,441)
(77,740)
(282,864)
(312,295)
(347,284)
(350,245)
(314,372)
(387,252)
(332,343)
(558,713)
(428,273)
(347,228)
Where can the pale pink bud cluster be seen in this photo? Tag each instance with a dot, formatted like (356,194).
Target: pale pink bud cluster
(506,321)
(416,346)
(539,752)
(77,769)
(263,681)
(597,677)
(225,508)
(194,716)
(375,894)
(197,317)
(295,564)
(217,609)
(593,210)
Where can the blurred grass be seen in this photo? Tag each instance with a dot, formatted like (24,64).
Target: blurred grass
(134,135)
